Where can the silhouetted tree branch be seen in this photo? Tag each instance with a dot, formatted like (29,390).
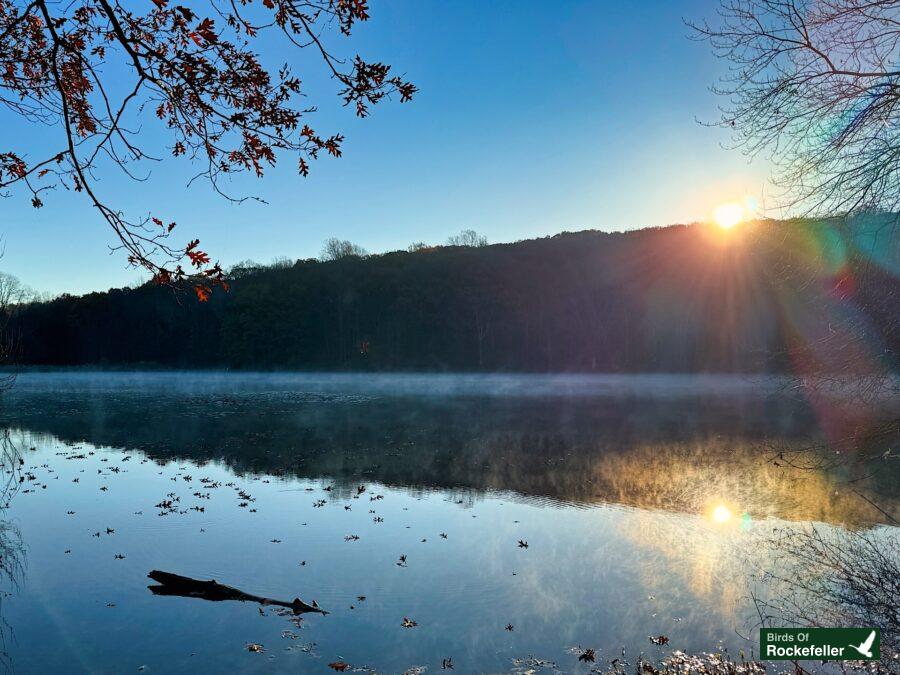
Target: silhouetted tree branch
(835,578)
(816,83)
(198,71)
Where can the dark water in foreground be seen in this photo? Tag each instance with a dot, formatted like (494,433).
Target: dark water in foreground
(610,481)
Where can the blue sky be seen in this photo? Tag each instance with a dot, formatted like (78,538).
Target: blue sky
(533,118)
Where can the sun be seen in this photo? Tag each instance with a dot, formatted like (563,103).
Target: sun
(730,214)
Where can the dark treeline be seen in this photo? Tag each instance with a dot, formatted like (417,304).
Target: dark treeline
(761,298)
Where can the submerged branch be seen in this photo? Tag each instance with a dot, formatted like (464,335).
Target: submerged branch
(175,584)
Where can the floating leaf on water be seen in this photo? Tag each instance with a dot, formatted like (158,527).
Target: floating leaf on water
(587,655)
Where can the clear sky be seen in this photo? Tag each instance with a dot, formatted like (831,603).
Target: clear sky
(533,118)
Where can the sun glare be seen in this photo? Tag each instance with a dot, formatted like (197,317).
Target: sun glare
(721,514)
(730,214)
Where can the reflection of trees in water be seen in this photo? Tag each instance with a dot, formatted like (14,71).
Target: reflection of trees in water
(763,455)
(12,549)
(693,477)
(866,459)
(12,567)
(11,462)
(659,452)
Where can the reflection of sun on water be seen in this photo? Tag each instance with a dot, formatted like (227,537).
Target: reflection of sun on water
(705,561)
(691,520)
(721,514)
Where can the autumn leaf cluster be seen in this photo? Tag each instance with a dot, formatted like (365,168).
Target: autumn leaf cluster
(93,73)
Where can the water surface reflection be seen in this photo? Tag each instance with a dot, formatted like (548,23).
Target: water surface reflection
(609,483)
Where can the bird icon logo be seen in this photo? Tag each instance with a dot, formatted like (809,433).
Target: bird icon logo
(865,648)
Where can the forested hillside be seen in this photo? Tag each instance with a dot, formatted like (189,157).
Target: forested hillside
(763,297)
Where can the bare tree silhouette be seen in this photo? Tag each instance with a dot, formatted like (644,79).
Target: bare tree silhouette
(335,249)
(817,84)
(467,238)
(12,294)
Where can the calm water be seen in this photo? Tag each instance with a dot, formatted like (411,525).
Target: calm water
(609,480)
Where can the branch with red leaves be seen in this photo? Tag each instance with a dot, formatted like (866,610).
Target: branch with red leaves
(193,70)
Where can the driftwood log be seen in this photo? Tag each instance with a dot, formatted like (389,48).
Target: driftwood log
(175,584)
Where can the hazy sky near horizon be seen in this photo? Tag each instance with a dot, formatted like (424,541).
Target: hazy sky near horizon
(532,118)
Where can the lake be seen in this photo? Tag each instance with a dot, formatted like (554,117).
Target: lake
(645,503)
